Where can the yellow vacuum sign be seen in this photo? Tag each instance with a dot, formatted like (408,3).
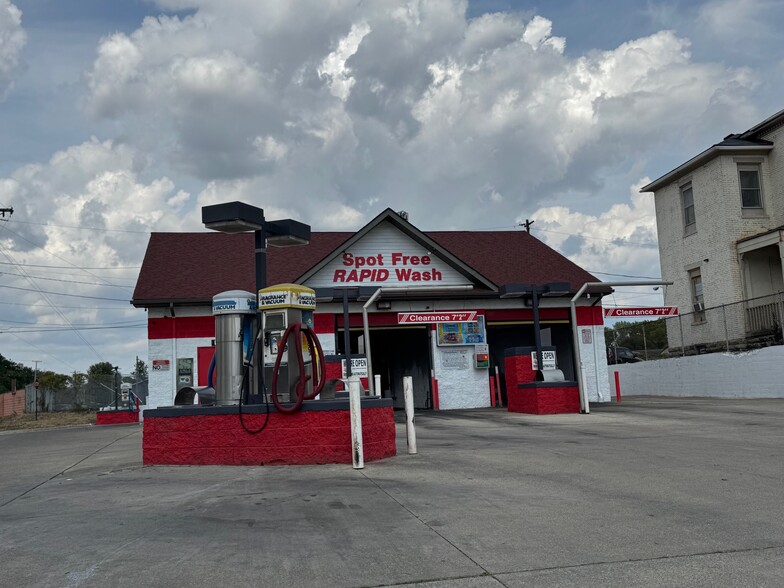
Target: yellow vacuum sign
(287,296)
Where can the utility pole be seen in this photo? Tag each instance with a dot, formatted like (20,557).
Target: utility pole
(527,224)
(35,382)
(3,212)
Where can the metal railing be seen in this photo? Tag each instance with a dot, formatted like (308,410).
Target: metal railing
(739,326)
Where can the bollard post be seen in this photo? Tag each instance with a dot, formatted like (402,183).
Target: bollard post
(408,396)
(355,407)
(492,392)
(617,386)
(377,382)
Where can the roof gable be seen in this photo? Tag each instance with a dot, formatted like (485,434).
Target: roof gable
(400,254)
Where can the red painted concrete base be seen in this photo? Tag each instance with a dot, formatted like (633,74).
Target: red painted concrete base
(545,398)
(116,417)
(306,437)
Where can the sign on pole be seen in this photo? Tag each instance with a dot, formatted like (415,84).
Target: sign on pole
(650,311)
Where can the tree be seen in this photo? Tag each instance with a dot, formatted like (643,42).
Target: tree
(102,368)
(10,370)
(52,380)
(637,335)
(140,370)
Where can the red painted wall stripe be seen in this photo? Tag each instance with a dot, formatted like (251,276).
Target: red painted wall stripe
(185,327)
(589,315)
(525,314)
(324,323)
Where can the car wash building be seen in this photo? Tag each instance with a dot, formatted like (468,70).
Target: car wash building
(452,306)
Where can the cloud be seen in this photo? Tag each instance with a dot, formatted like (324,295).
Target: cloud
(412,105)
(620,240)
(88,213)
(12,40)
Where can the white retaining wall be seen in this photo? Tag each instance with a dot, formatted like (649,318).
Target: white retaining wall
(752,374)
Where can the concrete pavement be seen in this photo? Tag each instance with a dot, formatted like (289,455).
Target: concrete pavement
(651,492)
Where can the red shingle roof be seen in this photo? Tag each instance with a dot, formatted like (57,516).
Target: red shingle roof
(193,267)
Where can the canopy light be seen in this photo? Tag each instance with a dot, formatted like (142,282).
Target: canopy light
(232,217)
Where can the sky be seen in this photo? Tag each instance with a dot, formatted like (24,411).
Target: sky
(122,118)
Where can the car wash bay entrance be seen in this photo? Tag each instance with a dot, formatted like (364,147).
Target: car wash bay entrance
(503,335)
(398,352)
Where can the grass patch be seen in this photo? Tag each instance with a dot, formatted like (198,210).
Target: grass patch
(46,420)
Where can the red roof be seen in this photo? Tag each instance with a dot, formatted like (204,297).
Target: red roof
(193,267)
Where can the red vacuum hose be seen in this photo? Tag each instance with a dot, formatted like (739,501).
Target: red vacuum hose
(317,354)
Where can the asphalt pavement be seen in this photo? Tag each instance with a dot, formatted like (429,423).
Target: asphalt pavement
(652,492)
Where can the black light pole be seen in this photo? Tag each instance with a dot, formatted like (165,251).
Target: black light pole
(346,333)
(238,217)
(116,389)
(537,333)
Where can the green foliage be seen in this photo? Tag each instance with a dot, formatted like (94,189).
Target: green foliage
(637,335)
(102,368)
(10,370)
(52,380)
(140,370)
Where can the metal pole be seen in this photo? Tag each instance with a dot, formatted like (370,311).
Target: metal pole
(644,342)
(537,333)
(781,318)
(260,243)
(355,408)
(377,384)
(35,387)
(347,333)
(683,343)
(408,397)
(726,332)
(371,379)
(584,404)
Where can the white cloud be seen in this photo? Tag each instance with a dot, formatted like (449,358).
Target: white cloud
(12,40)
(413,104)
(620,240)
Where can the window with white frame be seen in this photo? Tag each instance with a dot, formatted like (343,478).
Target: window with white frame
(697,298)
(750,186)
(687,199)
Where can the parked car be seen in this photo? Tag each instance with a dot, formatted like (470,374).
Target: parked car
(620,355)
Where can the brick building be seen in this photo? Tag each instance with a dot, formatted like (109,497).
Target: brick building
(720,219)
(463,270)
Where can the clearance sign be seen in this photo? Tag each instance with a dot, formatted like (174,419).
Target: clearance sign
(652,311)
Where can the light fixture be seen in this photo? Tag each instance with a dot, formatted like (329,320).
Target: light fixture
(384,305)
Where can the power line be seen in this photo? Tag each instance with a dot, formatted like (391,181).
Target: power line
(71,328)
(613,241)
(72,266)
(625,275)
(50,253)
(54,307)
(128,322)
(115,308)
(64,294)
(26,342)
(68,281)
(83,228)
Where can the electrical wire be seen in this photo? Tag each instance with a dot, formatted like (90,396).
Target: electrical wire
(80,228)
(72,266)
(68,281)
(64,294)
(71,328)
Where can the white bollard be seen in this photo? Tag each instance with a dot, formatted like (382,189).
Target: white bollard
(408,397)
(355,408)
(377,384)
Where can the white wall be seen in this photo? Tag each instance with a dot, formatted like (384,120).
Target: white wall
(162,385)
(752,374)
(460,388)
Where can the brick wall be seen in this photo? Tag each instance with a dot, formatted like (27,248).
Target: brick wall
(720,224)
(12,403)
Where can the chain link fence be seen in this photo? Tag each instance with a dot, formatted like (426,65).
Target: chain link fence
(90,394)
(740,326)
